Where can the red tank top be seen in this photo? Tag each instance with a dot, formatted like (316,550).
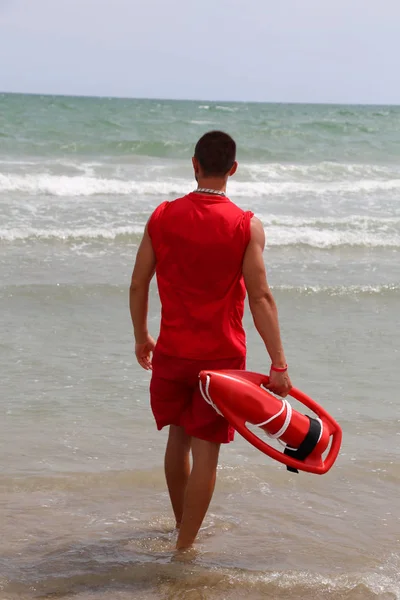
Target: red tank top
(199,242)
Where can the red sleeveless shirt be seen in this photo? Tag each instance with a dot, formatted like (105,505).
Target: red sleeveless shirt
(199,242)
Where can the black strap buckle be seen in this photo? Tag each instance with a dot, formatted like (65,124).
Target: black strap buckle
(307,445)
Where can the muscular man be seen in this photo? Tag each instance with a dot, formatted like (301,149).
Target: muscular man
(206,253)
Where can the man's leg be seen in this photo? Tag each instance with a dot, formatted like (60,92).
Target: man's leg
(199,490)
(177,468)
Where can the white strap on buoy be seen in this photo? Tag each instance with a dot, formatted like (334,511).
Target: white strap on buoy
(206,394)
(288,418)
(322,427)
(275,436)
(285,404)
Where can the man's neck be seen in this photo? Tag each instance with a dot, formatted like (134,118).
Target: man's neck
(212,183)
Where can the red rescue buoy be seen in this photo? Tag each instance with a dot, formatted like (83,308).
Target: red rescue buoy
(240,397)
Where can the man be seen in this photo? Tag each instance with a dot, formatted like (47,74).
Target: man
(206,253)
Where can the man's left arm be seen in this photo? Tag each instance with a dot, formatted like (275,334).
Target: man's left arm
(144,269)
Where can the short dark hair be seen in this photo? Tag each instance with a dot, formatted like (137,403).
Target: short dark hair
(216,153)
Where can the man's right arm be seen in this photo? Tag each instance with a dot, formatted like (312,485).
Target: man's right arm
(263,307)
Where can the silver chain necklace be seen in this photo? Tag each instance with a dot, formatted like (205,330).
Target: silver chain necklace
(207,191)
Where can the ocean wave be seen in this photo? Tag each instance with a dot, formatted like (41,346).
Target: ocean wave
(226,108)
(129,233)
(335,127)
(303,290)
(276,236)
(328,238)
(321,171)
(324,171)
(100,145)
(340,290)
(64,185)
(353,221)
(131,567)
(201,122)
(221,107)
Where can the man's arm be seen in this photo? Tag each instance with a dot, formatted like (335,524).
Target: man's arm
(143,272)
(263,307)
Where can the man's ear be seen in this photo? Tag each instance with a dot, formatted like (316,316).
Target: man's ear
(195,164)
(233,168)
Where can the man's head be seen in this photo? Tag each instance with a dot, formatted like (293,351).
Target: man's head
(215,156)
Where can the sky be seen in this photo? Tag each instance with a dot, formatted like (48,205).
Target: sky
(329,51)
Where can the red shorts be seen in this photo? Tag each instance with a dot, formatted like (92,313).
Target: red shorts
(176,400)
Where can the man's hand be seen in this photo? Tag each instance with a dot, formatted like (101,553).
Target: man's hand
(279,383)
(143,272)
(143,352)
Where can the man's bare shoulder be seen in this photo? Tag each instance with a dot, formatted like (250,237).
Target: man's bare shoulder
(257,231)
(256,224)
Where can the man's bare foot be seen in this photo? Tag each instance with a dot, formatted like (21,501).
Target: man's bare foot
(182,547)
(185,554)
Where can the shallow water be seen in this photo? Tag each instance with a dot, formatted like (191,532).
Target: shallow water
(85,513)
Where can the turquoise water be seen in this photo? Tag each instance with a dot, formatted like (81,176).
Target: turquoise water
(85,510)
(113,128)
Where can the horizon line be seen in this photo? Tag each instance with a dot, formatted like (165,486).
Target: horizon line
(159,99)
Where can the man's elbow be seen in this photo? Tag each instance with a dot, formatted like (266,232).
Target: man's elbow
(138,285)
(261,297)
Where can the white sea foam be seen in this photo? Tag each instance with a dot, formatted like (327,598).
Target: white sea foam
(328,238)
(200,122)
(276,235)
(339,290)
(321,171)
(265,171)
(353,221)
(226,108)
(63,185)
(79,233)
(383,583)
